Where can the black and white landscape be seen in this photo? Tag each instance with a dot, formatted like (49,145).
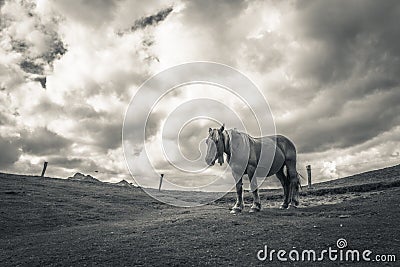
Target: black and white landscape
(47,221)
(329,71)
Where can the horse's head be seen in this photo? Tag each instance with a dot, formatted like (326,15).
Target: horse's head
(215,146)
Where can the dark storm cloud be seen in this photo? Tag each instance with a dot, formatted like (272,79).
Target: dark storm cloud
(83,164)
(109,136)
(70,163)
(42,81)
(42,141)
(350,71)
(152,20)
(348,33)
(98,128)
(358,122)
(134,129)
(135,133)
(36,65)
(10,152)
(80,164)
(104,132)
(30,66)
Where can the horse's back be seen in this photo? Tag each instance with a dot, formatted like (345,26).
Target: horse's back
(267,153)
(286,145)
(279,148)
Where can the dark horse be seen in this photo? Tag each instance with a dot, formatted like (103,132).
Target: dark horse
(256,157)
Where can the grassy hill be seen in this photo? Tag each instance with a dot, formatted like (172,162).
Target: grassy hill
(47,221)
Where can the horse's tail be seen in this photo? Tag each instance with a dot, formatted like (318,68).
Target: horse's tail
(299,180)
(301,176)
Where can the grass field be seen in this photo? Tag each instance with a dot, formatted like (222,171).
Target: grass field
(48,221)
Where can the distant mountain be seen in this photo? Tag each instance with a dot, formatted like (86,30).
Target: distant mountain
(124,183)
(83,178)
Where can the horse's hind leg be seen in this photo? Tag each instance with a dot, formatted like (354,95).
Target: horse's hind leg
(238,207)
(285,184)
(294,182)
(254,189)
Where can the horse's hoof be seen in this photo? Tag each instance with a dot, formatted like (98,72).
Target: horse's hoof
(256,207)
(252,210)
(236,211)
(293,206)
(284,207)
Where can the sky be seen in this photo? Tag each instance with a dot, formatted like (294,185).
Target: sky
(69,69)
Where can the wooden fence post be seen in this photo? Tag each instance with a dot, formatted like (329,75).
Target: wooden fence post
(308,167)
(44,168)
(161,178)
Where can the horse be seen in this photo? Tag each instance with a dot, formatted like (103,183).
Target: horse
(257,157)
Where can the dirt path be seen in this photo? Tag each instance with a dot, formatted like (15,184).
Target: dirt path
(57,222)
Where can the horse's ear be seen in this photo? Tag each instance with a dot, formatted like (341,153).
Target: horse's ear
(222,128)
(209,130)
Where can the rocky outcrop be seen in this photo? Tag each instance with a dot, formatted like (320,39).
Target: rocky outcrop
(83,178)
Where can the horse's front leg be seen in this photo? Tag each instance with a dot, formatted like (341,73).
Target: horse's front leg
(238,207)
(254,189)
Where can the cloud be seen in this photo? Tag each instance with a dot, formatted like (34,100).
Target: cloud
(260,57)
(81,112)
(91,13)
(30,44)
(42,141)
(348,61)
(346,37)
(86,165)
(104,135)
(353,122)
(329,70)
(216,33)
(9,152)
(152,19)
